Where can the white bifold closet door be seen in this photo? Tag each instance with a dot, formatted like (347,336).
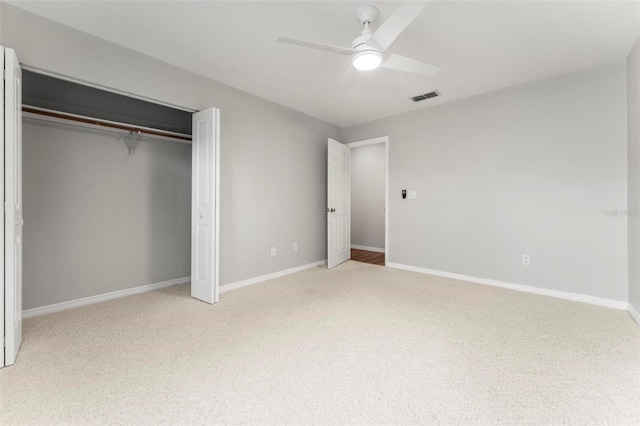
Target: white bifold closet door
(339,199)
(205,205)
(12,189)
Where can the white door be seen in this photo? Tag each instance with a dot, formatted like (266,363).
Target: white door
(13,206)
(205,205)
(339,199)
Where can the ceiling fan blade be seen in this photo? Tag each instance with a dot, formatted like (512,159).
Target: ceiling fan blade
(398,22)
(319,46)
(402,63)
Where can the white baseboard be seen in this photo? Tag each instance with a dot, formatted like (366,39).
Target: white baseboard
(376,249)
(634,314)
(256,280)
(57,307)
(609,303)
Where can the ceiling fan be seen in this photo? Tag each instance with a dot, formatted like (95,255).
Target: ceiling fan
(369,50)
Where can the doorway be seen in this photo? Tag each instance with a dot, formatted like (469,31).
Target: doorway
(369,182)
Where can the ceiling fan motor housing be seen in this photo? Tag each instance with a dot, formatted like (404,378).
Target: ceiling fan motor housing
(363,42)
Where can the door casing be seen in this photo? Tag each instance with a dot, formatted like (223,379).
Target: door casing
(385,141)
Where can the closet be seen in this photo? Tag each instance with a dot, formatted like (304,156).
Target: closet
(117,197)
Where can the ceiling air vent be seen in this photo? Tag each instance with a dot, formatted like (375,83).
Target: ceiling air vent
(425,96)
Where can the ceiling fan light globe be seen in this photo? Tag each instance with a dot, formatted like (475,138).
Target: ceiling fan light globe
(367,60)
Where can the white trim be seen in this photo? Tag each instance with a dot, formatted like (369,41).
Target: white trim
(63,306)
(385,141)
(367,248)
(386,202)
(262,278)
(216,259)
(2,281)
(104,88)
(593,300)
(634,314)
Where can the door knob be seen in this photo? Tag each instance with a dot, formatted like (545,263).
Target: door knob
(330,210)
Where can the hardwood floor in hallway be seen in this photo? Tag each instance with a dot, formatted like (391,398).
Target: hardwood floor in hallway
(366,256)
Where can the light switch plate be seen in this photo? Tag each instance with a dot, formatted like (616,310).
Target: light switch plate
(412,194)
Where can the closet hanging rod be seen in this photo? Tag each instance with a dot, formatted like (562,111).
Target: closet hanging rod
(104,123)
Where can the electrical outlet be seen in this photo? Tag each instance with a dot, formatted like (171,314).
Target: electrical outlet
(526,260)
(295,246)
(273,251)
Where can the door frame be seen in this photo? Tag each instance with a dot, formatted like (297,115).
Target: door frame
(2,290)
(385,141)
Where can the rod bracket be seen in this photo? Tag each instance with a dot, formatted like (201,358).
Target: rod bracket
(132,140)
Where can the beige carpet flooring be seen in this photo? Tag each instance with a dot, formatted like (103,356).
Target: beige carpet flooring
(360,344)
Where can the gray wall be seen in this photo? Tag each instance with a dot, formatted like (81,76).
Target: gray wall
(367,195)
(273,159)
(98,219)
(525,170)
(633,111)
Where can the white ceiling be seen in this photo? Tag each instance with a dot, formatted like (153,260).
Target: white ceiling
(481,45)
